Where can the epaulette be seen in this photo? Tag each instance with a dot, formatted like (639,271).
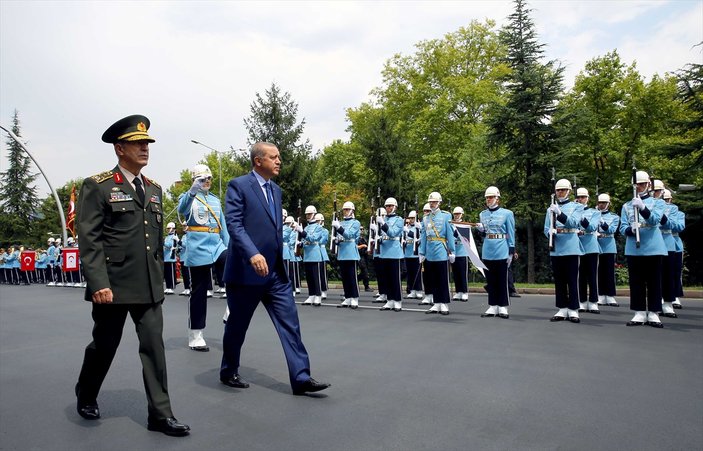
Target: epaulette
(103,176)
(152,182)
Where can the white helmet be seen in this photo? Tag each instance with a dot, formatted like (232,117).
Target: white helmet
(413,214)
(667,194)
(50,240)
(70,240)
(348,205)
(658,184)
(310,209)
(285,212)
(434,197)
(603,198)
(391,201)
(426,207)
(641,177)
(200,170)
(289,220)
(582,192)
(171,225)
(319,217)
(458,210)
(58,240)
(492,191)
(563,184)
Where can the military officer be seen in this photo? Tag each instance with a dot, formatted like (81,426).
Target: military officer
(673,222)
(348,231)
(207,247)
(460,267)
(312,256)
(390,228)
(120,217)
(497,225)
(608,224)
(588,263)
(567,250)
(437,253)
(324,242)
(412,260)
(644,260)
(170,248)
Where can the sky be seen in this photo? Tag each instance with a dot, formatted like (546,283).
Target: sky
(71,69)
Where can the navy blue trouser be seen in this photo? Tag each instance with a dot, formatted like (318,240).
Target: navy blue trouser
(347,270)
(497,281)
(390,274)
(437,280)
(566,281)
(460,273)
(414,277)
(606,274)
(645,282)
(588,278)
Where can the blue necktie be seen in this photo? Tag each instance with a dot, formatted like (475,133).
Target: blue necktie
(269,194)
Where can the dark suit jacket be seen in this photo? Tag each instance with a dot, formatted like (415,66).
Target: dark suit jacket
(252,231)
(120,239)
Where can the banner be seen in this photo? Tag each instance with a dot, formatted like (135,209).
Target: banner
(71,213)
(470,246)
(70,259)
(27,259)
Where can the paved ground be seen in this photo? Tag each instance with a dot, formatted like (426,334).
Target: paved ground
(400,381)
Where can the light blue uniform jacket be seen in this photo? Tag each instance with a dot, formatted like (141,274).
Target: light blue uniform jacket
(52,252)
(350,232)
(651,240)
(675,223)
(607,226)
(313,234)
(42,261)
(170,241)
(566,241)
(499,221)
(391,233)
(287,232)
(203,247)
(324,241)
(437,236)
(412,236)
(588,227)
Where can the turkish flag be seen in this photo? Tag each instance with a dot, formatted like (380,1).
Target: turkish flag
(70,259)
(27,260)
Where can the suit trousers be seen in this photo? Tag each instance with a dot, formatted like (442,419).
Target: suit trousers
(588,278)
(566,281)
(347,270)
(497,281)
(606,274)
(645,282)
(277,297)
(109,322)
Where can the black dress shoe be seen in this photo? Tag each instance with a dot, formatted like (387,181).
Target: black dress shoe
(343,306)
(397,309)
(656,324)
(88,410)
(169,426)
(515,295)
(503,315)
(581,310)
(634,323)
(574,319)
(353,307)
(203,348)
(234,381)
(385,308)
(310,386)
(430,312)
(597,312)
(488,315)
(670,315)
(556,318)
(677,306)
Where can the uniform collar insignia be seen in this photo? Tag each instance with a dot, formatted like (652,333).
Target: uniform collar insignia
(117,177)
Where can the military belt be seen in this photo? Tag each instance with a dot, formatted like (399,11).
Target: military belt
(388,238)
(436,238)
(646,226)
(567,230)
(667,232)
(495,236)
(203,229)
(606,235)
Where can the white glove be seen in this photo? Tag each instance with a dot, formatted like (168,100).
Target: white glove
(480,227)
(380,221)
(637,203)
(373,227)
(339,238)
(298,228)
(406,229)
(335,224)
(422,258)
(196,186)
(634,226)
(509,260)
(452,258)
(554,208)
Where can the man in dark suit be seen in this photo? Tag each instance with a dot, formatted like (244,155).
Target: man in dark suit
(120,222)
(255,271)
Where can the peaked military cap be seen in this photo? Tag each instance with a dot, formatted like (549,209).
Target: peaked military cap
(130,128)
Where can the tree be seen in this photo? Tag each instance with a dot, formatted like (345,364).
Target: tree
(273,119)
(19,196)
(48,222)
(521,125)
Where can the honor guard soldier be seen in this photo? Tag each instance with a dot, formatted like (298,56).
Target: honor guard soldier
(672,223)
(412,258)
(390,228)
(348,231)
(207,247)
(183,255)
(427,299)
(170,248)
(437,253)
(312,256)
(497,225)
(382,296)
(567,250)
(288,251)
(460,267)
(608,224)
(3,267)
(324,241)
(588,264)
(52,252)
(644,259)
(120,221)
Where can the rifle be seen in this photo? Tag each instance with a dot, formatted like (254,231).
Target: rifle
(298,243)
(416,242)
(552,218)
(333,239)
(372,234)
(377,245)
(405,223)
(635,211)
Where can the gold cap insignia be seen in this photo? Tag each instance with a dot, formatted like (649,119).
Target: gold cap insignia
(141,127)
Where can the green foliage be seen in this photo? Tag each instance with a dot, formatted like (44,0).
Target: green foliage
(48,223)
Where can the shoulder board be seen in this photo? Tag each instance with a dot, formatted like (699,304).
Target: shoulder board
(103,176)
(150,180)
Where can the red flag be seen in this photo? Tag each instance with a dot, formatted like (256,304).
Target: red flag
(70,259)
(71,214)
(27,260)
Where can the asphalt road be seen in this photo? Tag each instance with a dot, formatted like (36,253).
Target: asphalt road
(400,381)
